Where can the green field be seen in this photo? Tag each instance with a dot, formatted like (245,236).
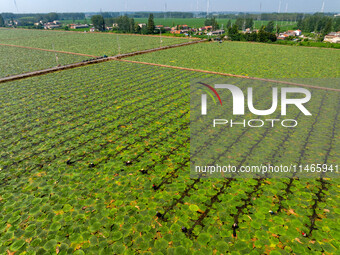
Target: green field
(96,159)
(97,44)
(252,59)
(17,60)
(74,144)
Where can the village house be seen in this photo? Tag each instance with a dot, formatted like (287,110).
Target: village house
(205,29)
(76,26)
(282,36)
(180,29)
(39,23)
(285,35)
(52,25)
(333,37)
(217,32)
(141,25)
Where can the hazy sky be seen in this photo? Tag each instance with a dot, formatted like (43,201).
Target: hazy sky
(24,6)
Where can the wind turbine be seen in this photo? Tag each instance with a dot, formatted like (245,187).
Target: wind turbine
(208,3)
(15,3)
(323,7)
(261,14)
(165,9)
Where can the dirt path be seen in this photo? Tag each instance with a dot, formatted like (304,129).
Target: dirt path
(232,75)
(57,51)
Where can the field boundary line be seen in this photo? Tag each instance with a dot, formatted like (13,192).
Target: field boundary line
(231,75)
(51,70)
(89,62)
(57,51)
(156,49)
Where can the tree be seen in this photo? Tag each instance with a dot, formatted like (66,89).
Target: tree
(98,22)
(261,36)
(125,24)
(239,22)
(214,23)
(151,24)
(264,36)
(228,24)
(337,23)
(132,25)
(327,28)
(270,27)
(233,33)
(2,22)
(211,22)
(249,23)
(138,29)
(51,16)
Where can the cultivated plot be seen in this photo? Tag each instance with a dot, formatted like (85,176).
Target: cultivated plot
(253,59)
(96,159)
(97,44)
(18,60)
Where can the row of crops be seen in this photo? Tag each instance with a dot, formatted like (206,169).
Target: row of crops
(95,160)
(97,44)
(253,59)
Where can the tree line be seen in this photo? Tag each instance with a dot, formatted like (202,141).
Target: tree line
(268,16)
(124,24)
(263,35)
(45,17)
(320,24)
(30,19)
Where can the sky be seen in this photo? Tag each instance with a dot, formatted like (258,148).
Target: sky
(43,6)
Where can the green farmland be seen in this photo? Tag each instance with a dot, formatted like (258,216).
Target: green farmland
(95,159)
(18,60)
(252,59)
(86,43)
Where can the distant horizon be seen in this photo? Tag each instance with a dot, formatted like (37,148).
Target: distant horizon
(250,6)
(131,12)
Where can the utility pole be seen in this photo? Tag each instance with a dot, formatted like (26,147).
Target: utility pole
(55,54)
(160,38)
(208,3)
(118,45)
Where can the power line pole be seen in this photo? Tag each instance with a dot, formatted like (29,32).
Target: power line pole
(55,54)
(118,45)
(160,37)
(208,3)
